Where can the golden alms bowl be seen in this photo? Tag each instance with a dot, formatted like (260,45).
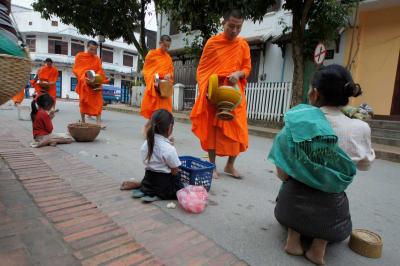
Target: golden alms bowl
(225,97)
(44,84)
(165,88)
(93,79)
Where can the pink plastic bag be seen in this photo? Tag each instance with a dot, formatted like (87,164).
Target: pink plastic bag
(193,198)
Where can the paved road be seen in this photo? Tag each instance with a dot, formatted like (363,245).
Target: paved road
(240,212)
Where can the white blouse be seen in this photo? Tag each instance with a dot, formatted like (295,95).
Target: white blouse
(354,137)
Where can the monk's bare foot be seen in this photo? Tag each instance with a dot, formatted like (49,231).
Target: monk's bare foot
(215,174)
(53,144)
(129,185)
(230,170)
(102,126)
(316,252)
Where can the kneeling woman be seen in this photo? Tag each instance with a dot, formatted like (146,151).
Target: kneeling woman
(316,155)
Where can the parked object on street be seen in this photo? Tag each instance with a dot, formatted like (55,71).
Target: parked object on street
(194,171)
(84,132)
(111,94)
(366,243)
(193,198)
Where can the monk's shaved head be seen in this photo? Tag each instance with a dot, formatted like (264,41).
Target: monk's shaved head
(236,13)
(165,38)
(233,21)
(92,47)
(91,42)
(165,42)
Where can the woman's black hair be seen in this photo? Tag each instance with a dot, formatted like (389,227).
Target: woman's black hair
(335,84)
(159,124)
(44,101)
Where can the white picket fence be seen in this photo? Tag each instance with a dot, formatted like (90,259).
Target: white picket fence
(268,101)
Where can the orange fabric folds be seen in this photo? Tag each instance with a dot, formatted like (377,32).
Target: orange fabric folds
(159,62)
(19,97)
(222,57)
(90,101)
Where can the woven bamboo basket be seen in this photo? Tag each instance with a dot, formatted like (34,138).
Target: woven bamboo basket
(14,74)
(84,132)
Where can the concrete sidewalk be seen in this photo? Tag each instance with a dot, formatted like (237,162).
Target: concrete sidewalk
(384,152)
(85,218)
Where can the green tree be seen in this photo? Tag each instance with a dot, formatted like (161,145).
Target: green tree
(313,21)
(112,19)
(205,15)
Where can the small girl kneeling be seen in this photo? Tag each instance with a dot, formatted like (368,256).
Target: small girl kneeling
(42,126)
(161,160)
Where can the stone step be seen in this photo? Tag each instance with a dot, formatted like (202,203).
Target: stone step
(386,152)
(386,141)
(384,124)
(385,133)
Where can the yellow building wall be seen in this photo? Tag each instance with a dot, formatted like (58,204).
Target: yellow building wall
(374,67)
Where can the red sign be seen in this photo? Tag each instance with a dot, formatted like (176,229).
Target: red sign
(319,53)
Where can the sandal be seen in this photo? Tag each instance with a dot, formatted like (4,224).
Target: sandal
(148,199)
(137,194)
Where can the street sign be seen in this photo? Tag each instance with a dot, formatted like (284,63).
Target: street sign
(319,53)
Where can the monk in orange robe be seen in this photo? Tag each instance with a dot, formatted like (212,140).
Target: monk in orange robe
(19,97)
(90,99)
(157,61)
(46,74)
(226,55)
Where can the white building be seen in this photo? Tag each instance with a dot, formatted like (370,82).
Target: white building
(270,62)
(60,42)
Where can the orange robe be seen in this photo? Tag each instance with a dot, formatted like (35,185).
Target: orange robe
(90,101)
(159,62)
(222,57)
(19,97)
(49,74)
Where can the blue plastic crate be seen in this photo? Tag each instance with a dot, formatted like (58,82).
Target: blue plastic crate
(195,171)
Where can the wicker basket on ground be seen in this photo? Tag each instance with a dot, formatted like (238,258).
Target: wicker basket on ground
(14,74)
(84,132)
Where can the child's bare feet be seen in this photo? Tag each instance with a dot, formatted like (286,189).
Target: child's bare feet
(316,252)
(129,185)
(293,243)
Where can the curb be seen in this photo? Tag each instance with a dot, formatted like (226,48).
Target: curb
(381,153)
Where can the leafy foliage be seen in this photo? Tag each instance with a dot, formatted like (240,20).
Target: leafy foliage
(205,15)
(323,21)
(110,18)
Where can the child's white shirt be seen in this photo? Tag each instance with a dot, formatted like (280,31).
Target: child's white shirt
(164,155)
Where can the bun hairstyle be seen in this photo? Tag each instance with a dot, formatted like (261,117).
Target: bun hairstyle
(352,89)
(335,85)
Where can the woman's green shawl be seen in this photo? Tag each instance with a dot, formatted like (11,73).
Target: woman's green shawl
(307,150)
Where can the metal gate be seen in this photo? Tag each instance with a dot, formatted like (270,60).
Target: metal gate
(185,73)
(126,91)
